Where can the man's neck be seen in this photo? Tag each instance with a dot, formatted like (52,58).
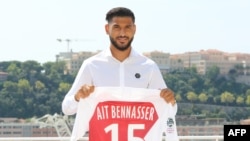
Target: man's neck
(120,55)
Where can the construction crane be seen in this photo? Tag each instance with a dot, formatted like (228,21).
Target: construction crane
(68,41)
(59,122)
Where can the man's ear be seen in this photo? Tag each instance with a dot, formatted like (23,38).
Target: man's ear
(107,28)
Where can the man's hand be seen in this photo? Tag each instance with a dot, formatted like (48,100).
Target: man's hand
(168,95)
(84,92)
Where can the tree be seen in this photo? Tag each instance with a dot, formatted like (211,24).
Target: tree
(13,72)
(227,98)
(248,92)
(31,70)
(39,86)
(10,87)
(191,96)
(64,87)
(248,100)
(240,100)
(178,97)
(213,72)
(203,97)
(24,86)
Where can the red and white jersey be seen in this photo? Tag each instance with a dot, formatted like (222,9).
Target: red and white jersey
(125,114)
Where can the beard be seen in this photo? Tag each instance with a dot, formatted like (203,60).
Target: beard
(121,47)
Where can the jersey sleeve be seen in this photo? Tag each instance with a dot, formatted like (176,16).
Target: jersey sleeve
(83,116)
(169,124)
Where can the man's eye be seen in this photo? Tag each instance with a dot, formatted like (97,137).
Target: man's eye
(116,27)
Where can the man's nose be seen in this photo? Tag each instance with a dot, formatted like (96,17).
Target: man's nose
(122,32)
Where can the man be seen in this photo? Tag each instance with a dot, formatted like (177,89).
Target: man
(117,66)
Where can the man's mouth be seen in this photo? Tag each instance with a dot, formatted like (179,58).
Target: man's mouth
(122,39)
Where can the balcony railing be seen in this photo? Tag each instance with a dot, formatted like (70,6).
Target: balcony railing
(186,138)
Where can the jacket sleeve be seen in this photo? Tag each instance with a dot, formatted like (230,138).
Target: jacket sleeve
(69,104)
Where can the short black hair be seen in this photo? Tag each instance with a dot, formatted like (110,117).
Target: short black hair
(119,12)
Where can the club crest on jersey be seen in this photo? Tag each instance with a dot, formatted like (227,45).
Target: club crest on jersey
(170,125)
(170,122)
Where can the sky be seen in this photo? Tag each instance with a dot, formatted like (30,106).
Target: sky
(29,29)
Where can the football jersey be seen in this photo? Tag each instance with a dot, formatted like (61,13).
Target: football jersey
(125,114)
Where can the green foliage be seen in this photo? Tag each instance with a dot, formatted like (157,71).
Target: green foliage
(32,89)
(203,97)
(227,97)
(248,100)
(191,96)
(209,89)
(240,100)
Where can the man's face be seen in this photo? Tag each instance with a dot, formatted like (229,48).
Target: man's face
(121,32)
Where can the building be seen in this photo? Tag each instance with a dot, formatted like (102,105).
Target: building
(205,59)
(202,60)
(161,59)
(245,122)
(25,130)
(14,127)
(73,60)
